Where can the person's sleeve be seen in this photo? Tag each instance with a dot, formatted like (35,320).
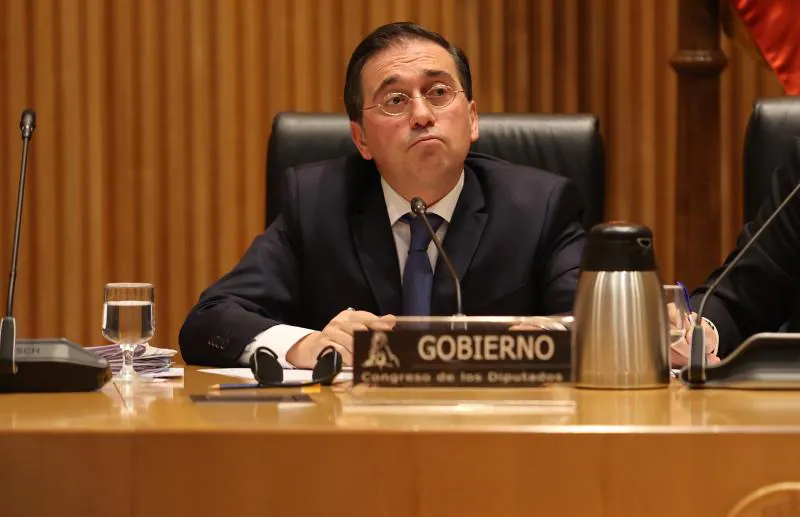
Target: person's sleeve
(260,292)
(279,339)
(563,243)
(759,292)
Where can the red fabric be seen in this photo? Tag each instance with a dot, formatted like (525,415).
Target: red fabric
(774,26)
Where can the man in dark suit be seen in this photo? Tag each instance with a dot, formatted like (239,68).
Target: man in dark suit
(345,239)
(761,292)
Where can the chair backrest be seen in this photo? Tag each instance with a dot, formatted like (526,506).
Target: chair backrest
(772,131)
(569,145)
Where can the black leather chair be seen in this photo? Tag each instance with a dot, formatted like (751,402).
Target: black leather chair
(772,133)
(569,145)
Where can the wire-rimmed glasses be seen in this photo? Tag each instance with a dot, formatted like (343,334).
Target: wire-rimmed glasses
(395,104)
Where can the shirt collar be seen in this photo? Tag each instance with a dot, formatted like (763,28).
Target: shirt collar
(444,208)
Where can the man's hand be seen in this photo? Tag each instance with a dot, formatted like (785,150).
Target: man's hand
(679,351)
(337,333)
(538,323)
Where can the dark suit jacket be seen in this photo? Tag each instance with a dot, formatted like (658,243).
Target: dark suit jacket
(515,240)
(760,294)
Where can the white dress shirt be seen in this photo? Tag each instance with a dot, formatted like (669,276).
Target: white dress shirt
(280,338)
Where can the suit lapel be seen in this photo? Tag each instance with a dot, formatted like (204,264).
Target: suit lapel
(375,245)
(460,242)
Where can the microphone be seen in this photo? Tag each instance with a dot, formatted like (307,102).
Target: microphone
(41,364)
(419,208)
(697,355)
(26,125)
(8,327)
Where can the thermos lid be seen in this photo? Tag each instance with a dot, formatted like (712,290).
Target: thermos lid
(619,246)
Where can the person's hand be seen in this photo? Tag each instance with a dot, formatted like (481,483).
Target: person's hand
(538,323)
(337,333)
(679,351)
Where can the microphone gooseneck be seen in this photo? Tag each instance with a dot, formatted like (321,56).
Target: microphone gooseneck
(697,355)
(27,124)
(8,327)
(420,209)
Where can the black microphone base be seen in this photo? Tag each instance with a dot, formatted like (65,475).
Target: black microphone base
(766,361)
(8,336)
(53,365)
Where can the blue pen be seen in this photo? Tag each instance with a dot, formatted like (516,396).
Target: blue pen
(686,295)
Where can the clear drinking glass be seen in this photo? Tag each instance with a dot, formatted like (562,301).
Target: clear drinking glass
(677,311)
(128,320)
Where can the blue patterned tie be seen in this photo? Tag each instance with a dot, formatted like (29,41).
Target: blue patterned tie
(417,274)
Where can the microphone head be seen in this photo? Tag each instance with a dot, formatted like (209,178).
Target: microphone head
(418,206)
(27,123)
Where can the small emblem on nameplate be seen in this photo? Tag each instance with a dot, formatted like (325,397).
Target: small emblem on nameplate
(460,358)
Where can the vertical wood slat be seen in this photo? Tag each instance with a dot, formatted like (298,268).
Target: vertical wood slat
(255,74)
(121,205)
(148,162)
(666,137)
(226,134)
(98,151)
(646,168)
(73,166)
(42,224)
(174,199)
(543,67)
(202,214)
(151,153)
(17,96)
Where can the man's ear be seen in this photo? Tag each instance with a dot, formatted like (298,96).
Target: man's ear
(357,134)
(472,113)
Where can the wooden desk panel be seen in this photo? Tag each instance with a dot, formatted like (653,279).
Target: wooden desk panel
(567,452)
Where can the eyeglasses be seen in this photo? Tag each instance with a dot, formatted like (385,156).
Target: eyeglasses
(268,372)
(396,103)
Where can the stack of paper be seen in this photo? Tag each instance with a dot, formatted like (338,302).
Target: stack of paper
(146,359)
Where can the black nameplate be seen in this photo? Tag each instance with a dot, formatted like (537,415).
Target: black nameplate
(414,358)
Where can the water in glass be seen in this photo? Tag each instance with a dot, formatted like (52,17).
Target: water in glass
(128,320)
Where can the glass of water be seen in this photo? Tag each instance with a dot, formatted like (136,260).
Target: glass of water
(128,320)
(677,311)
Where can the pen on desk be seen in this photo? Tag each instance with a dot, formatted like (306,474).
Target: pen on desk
(234,386)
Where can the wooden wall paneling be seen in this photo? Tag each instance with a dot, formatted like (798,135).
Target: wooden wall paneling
(492,73)
(567,78)
(120,204)
(73,272)
(256,124)
(470,41)
(97,143)
(664,121)
(179,260)
(542,85)
(518,43)
(698,63)
(151,231)
(16,81)
(304,63)
(42,235)
(206,175)
(621,141)
(325,57)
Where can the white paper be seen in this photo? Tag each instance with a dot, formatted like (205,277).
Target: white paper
(289,374)
(171,373)
(241,373)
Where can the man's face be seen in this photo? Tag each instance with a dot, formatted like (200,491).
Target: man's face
(422,151)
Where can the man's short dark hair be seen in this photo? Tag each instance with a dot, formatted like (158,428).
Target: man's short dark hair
(384,37)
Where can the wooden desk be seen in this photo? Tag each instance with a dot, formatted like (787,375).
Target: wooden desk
(148,450)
